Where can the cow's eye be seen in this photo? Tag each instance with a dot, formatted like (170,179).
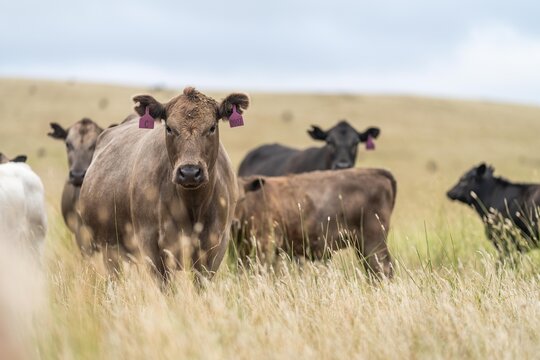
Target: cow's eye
(212,129)
(168,129)
(69,146)
(92,148)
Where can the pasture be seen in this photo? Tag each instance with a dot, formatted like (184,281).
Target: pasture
(447,299)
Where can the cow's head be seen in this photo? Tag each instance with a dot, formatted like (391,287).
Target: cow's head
(342,142)
(249,184)
(80,140)
(19,158)
(477,180)
(191,131)
(250,190)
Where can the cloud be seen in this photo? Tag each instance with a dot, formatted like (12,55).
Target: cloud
(493,61)
(490,61)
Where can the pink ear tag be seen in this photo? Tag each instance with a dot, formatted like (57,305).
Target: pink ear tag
(235,119)
(146,121)
(370,144)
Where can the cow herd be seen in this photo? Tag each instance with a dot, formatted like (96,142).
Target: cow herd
(163,194)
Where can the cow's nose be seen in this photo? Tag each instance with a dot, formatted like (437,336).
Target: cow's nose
(76,177)
(190,175)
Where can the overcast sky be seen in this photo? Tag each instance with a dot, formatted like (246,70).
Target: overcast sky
(465,49)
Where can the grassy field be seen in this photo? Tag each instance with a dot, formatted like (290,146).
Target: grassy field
(447,300)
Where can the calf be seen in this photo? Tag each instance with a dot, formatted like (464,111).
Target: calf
(80,139)
(339,153)
(23,220)
(166,195)
(500,203)
(313,214)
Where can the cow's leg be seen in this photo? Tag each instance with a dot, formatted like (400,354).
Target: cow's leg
(112,258)
(201,273)
(83,237)
(169,250)
(243,243)
(373,250)
(110,242)
(90,250)
(208,256)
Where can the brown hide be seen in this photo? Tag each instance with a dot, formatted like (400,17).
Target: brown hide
(136,205)
(315,213)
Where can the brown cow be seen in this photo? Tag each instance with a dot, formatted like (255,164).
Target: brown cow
(314,213)
(167,195)
(80,139)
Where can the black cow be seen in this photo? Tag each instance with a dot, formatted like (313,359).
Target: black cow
(339,153)
(509,210)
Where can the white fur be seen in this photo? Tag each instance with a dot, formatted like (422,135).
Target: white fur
(23,222)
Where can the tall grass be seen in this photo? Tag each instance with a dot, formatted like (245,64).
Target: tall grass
(443,303)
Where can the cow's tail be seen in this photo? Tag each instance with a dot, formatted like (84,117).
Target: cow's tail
(393,183)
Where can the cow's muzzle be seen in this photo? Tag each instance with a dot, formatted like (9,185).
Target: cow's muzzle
(342,165)
(76,177)
(190,176)
(455,195)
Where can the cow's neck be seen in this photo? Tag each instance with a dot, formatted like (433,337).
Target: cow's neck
(325,154)
(197,202)
(500,195)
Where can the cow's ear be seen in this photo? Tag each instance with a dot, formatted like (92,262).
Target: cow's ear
(254,184)
(484,170)
(481,170)
(374,132)
(156,109)
(58,132)
(19,159)
(317,133)
(225,108)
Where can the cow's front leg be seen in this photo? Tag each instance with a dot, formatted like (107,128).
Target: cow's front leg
(209,251)
(171,248)
(373,250)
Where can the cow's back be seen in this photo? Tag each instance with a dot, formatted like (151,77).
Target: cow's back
(267,160)
(22,206)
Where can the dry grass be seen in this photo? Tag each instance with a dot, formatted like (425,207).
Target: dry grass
(448,300)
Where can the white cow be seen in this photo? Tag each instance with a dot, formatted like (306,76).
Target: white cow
(22,232)
(23,222)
